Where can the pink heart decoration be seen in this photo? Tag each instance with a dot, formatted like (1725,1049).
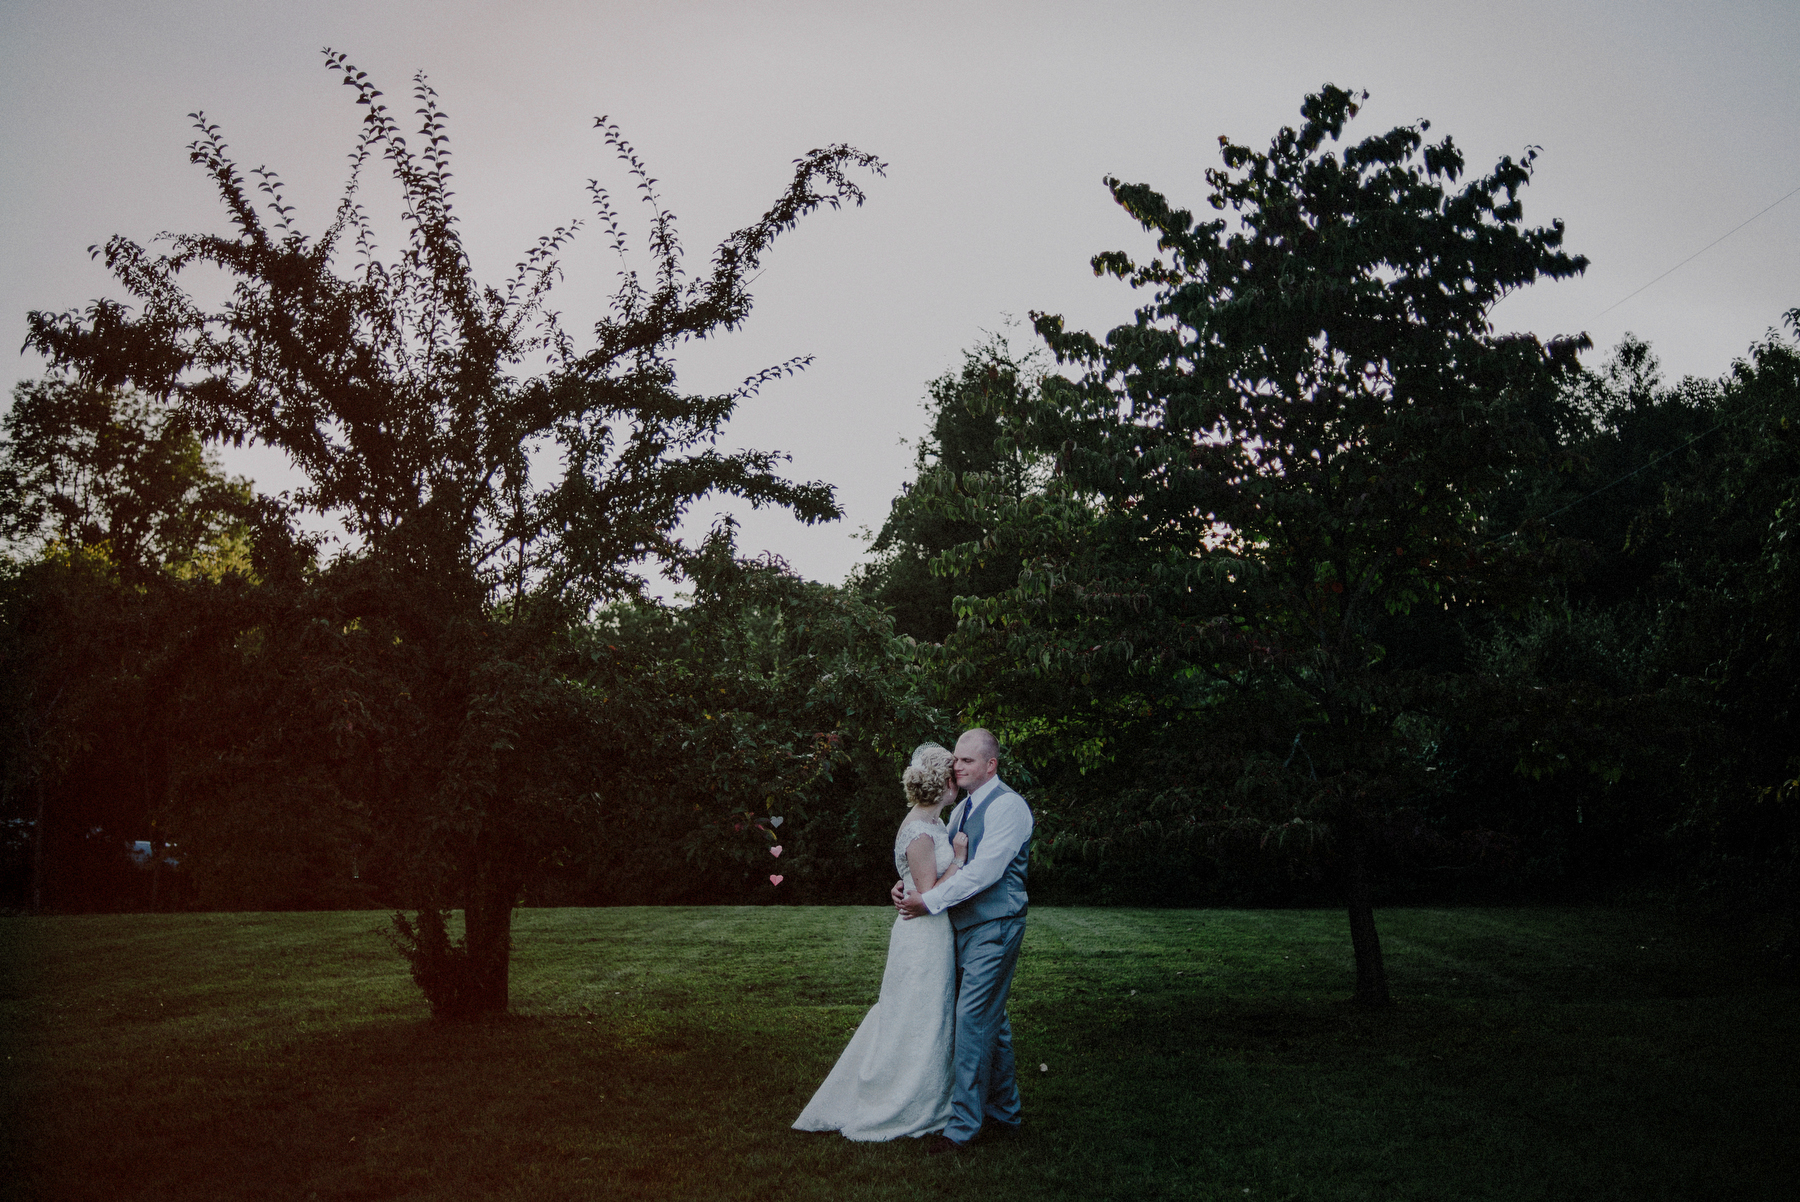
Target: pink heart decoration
(776,851)
(775,879)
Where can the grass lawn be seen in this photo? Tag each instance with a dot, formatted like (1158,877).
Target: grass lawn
(662,1053)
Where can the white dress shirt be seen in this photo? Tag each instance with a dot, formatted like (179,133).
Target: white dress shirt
(1005,825)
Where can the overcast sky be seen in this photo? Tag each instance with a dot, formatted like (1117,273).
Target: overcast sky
(1662,126)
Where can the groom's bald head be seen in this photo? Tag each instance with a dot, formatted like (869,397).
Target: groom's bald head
(977,758)
(982,742)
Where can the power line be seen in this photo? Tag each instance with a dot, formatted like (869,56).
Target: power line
(1641,467)
(1696,438)
(1720,425)
(1734,229)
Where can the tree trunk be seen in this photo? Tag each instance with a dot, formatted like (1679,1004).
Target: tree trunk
(487,932)
(37,854)
(1371,972)
(470,978)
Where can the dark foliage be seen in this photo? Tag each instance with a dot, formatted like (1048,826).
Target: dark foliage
(771,712)
(405,693)
(113,472)
(1634,726)
(1304,586)
(128,546)
(966,443)
(1293,442)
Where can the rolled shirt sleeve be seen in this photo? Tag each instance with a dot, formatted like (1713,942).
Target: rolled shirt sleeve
(1005,827)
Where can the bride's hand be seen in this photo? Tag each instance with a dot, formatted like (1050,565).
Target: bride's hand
(959,848)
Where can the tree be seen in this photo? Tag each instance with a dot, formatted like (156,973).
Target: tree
(965,441)
(771,712)
(1298,435)
(487,506)
(113,471)
(1572,742)
(1727,590)
(1646,726)
(125,538)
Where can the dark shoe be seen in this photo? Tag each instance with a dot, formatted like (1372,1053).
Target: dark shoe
(940,1144)
(999,1132)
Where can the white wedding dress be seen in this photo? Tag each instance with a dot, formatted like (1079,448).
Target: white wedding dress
(894,1079)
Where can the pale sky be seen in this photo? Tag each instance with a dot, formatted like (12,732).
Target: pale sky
(1662,126)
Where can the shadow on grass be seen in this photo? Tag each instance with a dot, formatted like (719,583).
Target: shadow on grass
(533,1107)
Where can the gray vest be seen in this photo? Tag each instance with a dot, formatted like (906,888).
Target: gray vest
(1006,896)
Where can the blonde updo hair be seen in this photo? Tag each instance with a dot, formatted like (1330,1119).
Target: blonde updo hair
(925,778)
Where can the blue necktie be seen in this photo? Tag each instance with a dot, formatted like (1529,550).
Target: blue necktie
(963,826)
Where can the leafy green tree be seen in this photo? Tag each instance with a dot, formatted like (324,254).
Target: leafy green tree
(113,471)
(1299,434)
(125,539)
(770,712)
(1573,742)
(1728,537)
(1636,724)
(965,444)
(1630,437)
(487,505)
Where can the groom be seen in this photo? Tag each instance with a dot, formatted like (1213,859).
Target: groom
(987,904)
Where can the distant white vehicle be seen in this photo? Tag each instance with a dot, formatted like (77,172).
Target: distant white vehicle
(140,853)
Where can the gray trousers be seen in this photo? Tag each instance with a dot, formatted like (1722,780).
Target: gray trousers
(987,1086)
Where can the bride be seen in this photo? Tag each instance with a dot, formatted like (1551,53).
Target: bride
(894,1079)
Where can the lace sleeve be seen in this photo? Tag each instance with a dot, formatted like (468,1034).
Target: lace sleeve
(940,840)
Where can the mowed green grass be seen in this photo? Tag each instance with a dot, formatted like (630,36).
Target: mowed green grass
(663,1053)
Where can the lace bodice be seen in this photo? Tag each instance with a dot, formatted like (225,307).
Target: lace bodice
(912,829)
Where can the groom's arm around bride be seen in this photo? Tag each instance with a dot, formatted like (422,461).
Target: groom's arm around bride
(999,826)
